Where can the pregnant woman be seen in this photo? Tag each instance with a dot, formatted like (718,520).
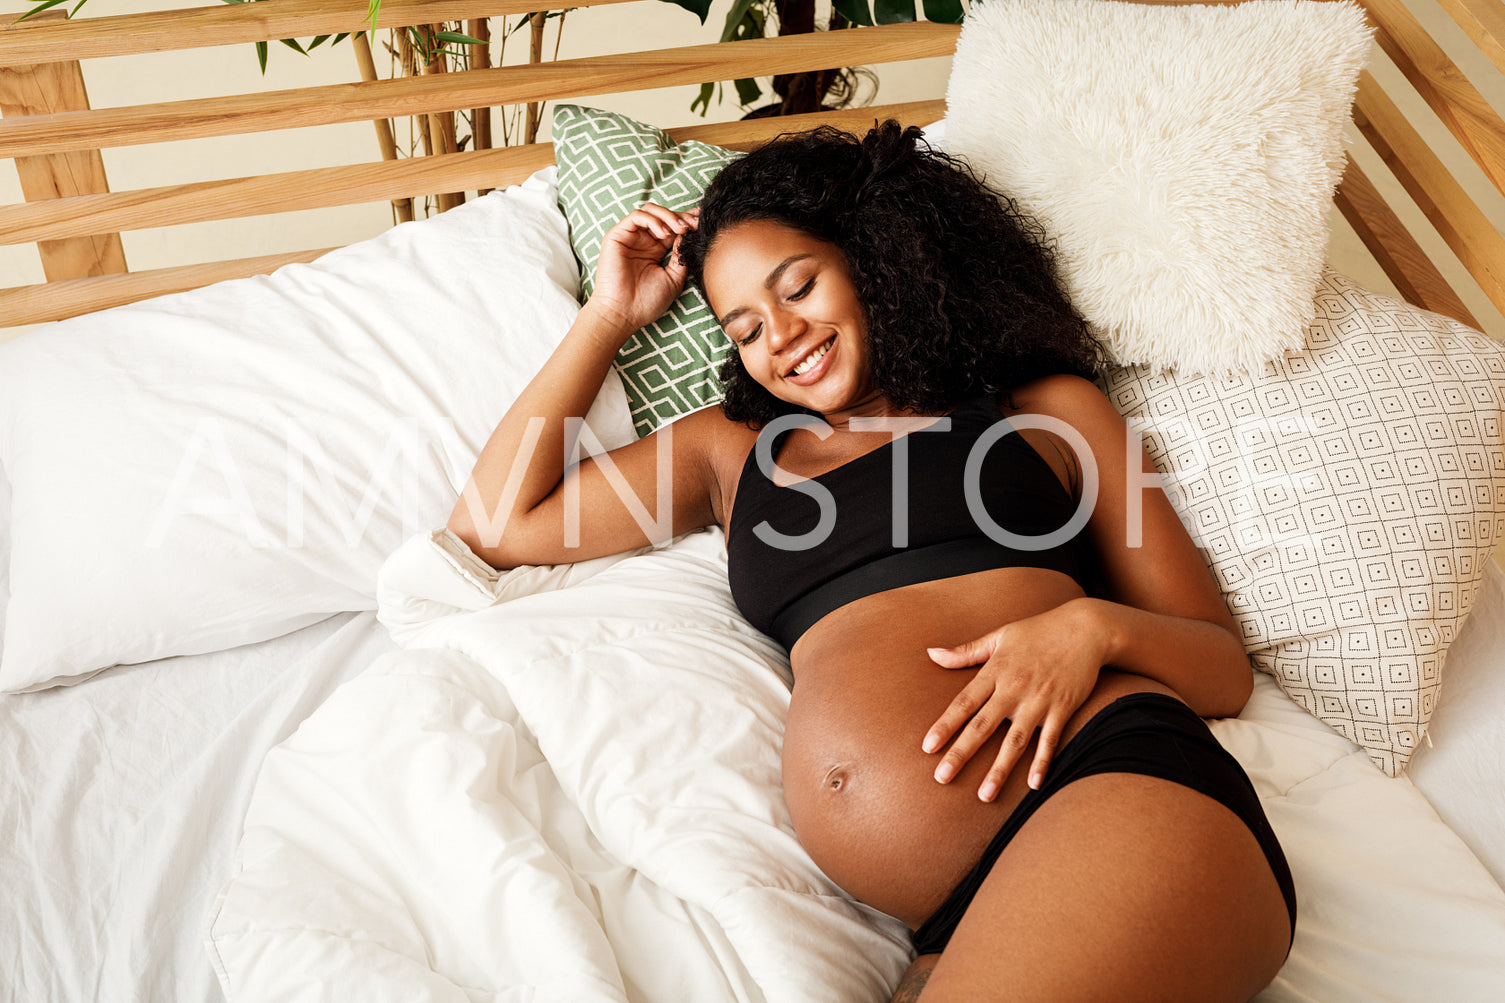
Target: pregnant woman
(1003,640)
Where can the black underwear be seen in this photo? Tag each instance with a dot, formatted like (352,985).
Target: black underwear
(1146,733)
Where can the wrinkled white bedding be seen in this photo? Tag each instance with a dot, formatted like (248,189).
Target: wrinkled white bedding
(1461,766)
(410,841)
(120,809)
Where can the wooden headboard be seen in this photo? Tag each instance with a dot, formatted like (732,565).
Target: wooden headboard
(75,221)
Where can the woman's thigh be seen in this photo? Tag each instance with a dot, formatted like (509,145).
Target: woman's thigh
(1121,887)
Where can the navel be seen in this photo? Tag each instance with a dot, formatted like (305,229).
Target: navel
(837,778)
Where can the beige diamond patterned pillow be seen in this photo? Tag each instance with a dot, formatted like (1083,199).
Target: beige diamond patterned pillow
(1347,499)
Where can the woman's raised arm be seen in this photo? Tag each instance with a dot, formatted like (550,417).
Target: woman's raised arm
(523,504)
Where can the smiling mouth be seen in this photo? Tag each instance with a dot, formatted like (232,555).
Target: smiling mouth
(810,361)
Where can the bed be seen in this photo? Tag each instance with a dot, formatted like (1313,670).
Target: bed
(269,732)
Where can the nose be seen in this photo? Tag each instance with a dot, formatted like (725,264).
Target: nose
(782,327)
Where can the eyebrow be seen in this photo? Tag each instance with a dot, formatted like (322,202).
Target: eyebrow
(768,283)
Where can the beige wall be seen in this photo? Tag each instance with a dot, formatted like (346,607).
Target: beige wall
(233,69)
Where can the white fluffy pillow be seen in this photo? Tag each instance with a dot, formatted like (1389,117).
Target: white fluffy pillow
(1182,159)
(225,465)
(1348,500)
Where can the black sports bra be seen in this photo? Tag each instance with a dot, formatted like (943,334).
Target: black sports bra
(798,552)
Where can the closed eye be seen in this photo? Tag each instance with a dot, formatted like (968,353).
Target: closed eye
(798,294)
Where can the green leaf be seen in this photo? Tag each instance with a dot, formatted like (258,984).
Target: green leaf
(39,8)
(893,11)
(292,43)
(751,26)
(415,39)
(704,99)
(261,56)
(340,38)
(855,11)
(521,23)
(734,19)
(700,8)
(317,41)
(457,38)
(373,9)
(943,11)
(748,91)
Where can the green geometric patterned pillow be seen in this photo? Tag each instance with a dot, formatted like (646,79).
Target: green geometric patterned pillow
(610,165)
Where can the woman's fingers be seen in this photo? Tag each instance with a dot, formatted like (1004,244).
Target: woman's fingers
(955,715)
(1045,749)
(972,718)
(674,267)
(964,656)
(1016,729)
(1015,741)
(665,224)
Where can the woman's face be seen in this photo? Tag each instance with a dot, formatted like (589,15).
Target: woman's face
(786,301)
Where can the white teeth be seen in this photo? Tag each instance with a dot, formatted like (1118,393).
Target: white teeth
(811,359)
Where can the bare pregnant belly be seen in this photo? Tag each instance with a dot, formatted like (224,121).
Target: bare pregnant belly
(861,793)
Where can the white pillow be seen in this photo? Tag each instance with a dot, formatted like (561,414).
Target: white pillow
(1348,501)
(225,465)
(1181,159)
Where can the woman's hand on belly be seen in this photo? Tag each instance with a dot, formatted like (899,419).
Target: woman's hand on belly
(1035,674)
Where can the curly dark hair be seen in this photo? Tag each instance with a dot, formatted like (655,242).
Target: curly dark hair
(957,285)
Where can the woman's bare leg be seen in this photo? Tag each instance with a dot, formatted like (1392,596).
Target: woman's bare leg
(915,978)
(1121,887)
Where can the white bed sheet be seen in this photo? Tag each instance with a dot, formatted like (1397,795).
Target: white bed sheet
(1461,766)
(4,552)
(121,802)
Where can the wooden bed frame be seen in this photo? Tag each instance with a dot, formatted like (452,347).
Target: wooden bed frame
(76,222)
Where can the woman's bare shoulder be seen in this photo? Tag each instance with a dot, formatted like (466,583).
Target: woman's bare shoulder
(1060,395)
(721,446)
(1076,412)
(712,430)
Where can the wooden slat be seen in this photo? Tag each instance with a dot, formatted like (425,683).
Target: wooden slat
(1470,235)
(1483,21)
(290,109)
(197,27)
(173,205)
(72,297)
(1398,254)
(474,170)
(1471,120)
(44,90)
(58,300)
(748,133)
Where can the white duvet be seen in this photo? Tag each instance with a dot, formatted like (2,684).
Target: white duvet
(411,843)
(567,788)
